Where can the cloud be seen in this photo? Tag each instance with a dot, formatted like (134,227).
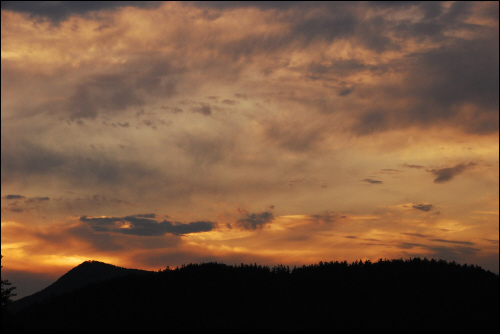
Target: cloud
(229,102)
(327,27)
(417,235)
(37,199)
(18,210)
(346,91)
(253,221)
(423,207)
(371,181)
(344,67)
(389,171)
(455,253)
(458,75)
(327,217)
(58,11)
(204,110)
(412,166)
(294,136)
(307,91)
(140,226)
(13,197)
(146,215)
(193,227)
(102,93)
(205,149)
(446,174)
(453,241)
(372,121)
(173,110)
(21,159)
(410,245)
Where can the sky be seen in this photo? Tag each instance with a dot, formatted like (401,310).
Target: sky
(153,134)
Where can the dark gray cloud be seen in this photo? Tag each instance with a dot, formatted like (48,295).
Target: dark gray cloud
(440,81)
(154,123)
(452,253)
(459,248)
(193,227)
(253,221)
(463,72)
(341,67)
(336,20)
(371,122)
(453,242)
(206,150)
(412,166)
(146,215)
(173,110)
(17,210)
(294,137)
(371,181)
(138,225)
(109,94)
(58,11)
(410,245)
(446,174)
(388,171)
(37,199)
(229,102)
(460,72)
(285,5)
(91,99)
(21,159)
(423,207)
(81,104)
(111,242)
(257,4)
(417,235)
(13,197)
(346,91)
(327,217)
(204,110)
(328,27)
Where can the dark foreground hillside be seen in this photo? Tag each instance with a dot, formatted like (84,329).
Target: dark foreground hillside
(388,296)
(83,274)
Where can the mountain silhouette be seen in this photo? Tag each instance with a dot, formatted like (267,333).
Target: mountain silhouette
(388,296)
(85,273)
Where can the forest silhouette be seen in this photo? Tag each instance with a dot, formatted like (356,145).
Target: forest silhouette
(415,295)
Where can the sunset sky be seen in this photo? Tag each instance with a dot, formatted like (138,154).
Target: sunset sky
(147,134)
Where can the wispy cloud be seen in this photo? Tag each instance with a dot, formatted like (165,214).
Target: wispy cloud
(446,174)
(143,225)
(253,221)
(423,207)
(372,181)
